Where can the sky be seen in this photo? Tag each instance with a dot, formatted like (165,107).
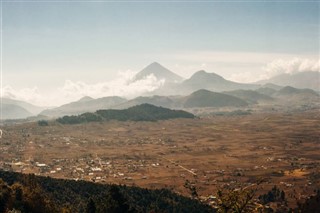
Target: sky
(54,52)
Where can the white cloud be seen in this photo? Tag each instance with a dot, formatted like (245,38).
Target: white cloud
(277,67)
(241,66)
(268,66)
(122,86)
(292,66)
(27,94)
(244,77)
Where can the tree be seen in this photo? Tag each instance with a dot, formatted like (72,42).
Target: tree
(91,206)
(192,188)
(5,195)
(238,200)
(43,123)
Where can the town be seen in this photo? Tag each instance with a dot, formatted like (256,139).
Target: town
(208,152)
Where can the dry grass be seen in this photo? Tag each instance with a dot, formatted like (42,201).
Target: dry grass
(282,148)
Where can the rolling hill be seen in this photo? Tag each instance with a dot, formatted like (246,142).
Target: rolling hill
(291,95)
(289,91)
(212,82)
(205,98)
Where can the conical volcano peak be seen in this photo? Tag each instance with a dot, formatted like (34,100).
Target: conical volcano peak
(159,71)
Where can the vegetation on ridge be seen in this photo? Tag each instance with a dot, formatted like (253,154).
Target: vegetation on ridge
(143,112)
(30,193)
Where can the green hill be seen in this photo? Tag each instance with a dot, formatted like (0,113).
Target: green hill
(205,98)
(30,193)
(143,112)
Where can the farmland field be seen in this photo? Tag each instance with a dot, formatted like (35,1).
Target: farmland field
(211,152)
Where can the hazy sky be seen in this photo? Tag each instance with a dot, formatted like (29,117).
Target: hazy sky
(72,47)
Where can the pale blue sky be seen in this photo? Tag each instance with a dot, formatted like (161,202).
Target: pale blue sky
(46,43)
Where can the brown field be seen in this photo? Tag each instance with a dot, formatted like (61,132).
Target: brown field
(211,152)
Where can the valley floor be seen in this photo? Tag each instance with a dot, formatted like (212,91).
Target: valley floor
(210,152)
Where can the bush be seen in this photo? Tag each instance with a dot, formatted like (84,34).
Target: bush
(43,123)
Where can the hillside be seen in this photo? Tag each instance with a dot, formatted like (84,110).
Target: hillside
(301,80)
(205,98)
(30,193)
(297,96)
(27,106)
(11,111)
(85,104)
(159,72)
(288,90)
(292,92)
(143,112)
(213,82)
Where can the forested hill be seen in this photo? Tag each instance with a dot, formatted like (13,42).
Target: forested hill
(143,112)
(30,193)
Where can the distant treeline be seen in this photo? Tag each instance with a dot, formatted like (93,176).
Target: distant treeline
(30,193)
(143,112)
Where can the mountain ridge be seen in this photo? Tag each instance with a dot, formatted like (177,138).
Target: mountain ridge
(300,80)
(85,104)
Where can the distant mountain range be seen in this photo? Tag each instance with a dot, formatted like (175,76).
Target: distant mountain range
(216,83)
(32,109)
(213,82)
(293,95)
(15,109)
(202,89)
(301,80)
(11,111)
(85,104)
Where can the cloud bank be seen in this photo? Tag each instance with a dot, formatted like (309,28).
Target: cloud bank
(293,66)
(123,86)
(278,67)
